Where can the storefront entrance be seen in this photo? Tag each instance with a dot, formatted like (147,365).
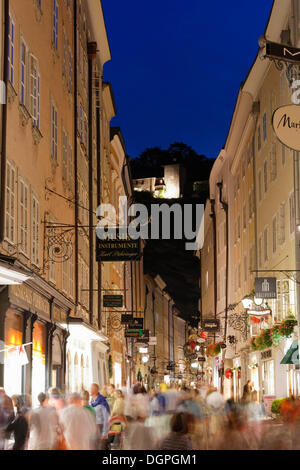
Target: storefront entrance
(12,368)
(38,362)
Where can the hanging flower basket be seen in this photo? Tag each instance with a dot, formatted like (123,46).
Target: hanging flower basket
(213,349)
(274,335)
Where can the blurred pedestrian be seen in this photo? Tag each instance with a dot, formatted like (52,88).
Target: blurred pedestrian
(6,415)
(100,404)
(181,425)
(85,397)
(19,426)
(78,425)
(119,404)
(43,425)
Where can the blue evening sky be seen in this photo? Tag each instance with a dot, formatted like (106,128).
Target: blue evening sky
(177,66)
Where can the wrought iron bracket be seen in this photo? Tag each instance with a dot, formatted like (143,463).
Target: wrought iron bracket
(239,322)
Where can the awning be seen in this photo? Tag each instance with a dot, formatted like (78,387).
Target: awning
(12,275)
(292,356)
(82,330)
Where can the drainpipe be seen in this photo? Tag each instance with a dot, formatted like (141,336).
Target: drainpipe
(75,154)
(225,207)
(92,48)
(213,216)
(98,144)
(4,122)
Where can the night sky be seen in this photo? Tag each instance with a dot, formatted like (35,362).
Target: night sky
(177,67)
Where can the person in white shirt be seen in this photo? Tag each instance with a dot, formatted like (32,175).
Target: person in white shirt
(43,426)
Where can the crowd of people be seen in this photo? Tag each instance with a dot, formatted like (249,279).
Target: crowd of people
(165,418)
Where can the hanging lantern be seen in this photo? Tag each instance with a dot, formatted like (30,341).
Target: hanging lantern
(228,374)
(203,335)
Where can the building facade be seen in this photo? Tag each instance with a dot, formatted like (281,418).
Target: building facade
(248,177)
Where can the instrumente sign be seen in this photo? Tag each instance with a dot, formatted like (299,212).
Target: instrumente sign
(118,248)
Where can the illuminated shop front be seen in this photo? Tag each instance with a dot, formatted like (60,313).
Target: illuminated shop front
(38,361)
(29,315)
(13,371)
(85,356)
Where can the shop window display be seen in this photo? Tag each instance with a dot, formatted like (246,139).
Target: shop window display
(12,370)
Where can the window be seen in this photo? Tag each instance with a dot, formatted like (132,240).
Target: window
(266,176)
(64,58)
(70,78)
(52,264)
(283,154)
(266,244)
(23,216)
(67,277)
(10,202)
(34,91)
(259,186)
(11,49)
(253,147)
(244,217)
(292,213)
(55,25)
(83,282)
(265,126)
(23,73)
(35,230)
(64,156)
(53,131)
(274,224)
(245,268)
(252,264)
(282,88)
(260,251)
(273,163)
(258,138)
(70,168)
(249,155)
(282,223)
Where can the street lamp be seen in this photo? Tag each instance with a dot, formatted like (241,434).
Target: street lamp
(258,301)
(247,302)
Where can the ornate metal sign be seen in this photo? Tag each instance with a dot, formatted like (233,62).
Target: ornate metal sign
(238,322)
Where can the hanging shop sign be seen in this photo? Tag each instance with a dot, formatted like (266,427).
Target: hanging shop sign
(152,341)
(201,359)
(136,323)
(283,52)
(266,354)
(113,301)
(286,125)
(266,287)
(118,248)
(129,333)
(137,333)
(126,319)
(211,325)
